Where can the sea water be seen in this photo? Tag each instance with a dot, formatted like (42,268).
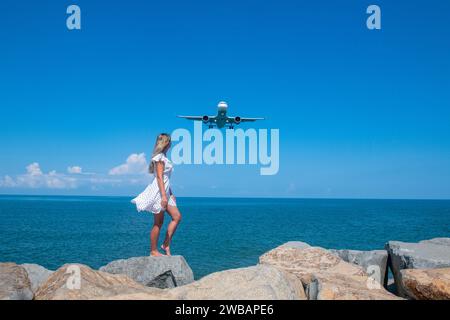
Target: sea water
(214,234)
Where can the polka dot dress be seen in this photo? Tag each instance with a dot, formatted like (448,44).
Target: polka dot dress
(150,198)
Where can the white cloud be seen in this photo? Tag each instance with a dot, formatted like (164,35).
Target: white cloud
(75,170)
(135,164)
(7,182)
(35,178)
(34,169)
(130,173)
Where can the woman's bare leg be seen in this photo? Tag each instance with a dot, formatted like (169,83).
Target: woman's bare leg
(176,218)
(154,234)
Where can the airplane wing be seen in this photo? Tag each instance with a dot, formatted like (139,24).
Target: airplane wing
(198,118)
(250,119)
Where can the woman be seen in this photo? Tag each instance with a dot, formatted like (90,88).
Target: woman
(158,196)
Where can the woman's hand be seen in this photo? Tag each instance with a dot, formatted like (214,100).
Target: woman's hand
(164,202)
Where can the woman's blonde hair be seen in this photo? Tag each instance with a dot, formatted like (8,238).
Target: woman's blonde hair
(161,146)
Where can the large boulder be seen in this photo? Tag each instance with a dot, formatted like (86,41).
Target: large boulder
(36,274)
(79,282)
(374,262)
(14,283)
(427,254)
(345,287)
(160,272)
(257,282)
(426,284)
(324,274)
(440,241)
(295,244)
(308,262)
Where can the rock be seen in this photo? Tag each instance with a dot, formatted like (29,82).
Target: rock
(374,262)
(160,272)
(344,287)
(257,282)
(36,274)
(427,254)
(426,284)
(391,287)
(324,274)
(14,283)
(440,241)
(79,282)
(307,262)
(295,244)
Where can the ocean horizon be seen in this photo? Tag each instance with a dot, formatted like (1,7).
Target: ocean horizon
(215,233)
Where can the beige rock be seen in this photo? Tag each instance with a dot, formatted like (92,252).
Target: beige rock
(14,282)
(79,282)
(348,287)
(426,284)
(325,275)
(257,282)
(136,296)
(36,274)
(308,262)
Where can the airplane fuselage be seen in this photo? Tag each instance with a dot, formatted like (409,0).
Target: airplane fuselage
(221,119)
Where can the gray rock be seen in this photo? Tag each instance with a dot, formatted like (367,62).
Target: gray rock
(160,272)
(14,283)
(368,260)
(36,274)
(428,254)
(440,241)
(391,287)
(295,245)
(260,282)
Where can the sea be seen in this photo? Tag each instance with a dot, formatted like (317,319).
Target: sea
(214,234)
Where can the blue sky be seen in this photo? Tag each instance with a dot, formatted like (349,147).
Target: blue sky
(361,113)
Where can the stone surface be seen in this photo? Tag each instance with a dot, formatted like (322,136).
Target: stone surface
(440,241)
(160,272)
(307,262)
(426,284)
(324,274)
(374,262)
(344,287)
(14,283)
(295,244)
(36,274)
(391,286)
(427,254)
(257,282)
(92,284)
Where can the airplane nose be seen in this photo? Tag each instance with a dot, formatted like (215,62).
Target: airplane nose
(222,105)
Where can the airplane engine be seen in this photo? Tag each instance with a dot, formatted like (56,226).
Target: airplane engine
(205,119)
(237,120)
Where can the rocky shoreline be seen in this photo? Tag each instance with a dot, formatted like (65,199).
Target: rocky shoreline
(292,271)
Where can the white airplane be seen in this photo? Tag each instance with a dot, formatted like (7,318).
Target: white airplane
(221,119)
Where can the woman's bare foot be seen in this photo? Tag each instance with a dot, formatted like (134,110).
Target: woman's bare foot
(166,249)
(156,253)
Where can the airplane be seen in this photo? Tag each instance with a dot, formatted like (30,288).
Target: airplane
(221,119)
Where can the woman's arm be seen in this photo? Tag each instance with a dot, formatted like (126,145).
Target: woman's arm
(160,180)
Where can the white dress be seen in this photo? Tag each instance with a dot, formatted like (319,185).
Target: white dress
(150,198)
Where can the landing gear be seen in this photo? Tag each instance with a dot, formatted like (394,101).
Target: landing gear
(231,127)
(210,126)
